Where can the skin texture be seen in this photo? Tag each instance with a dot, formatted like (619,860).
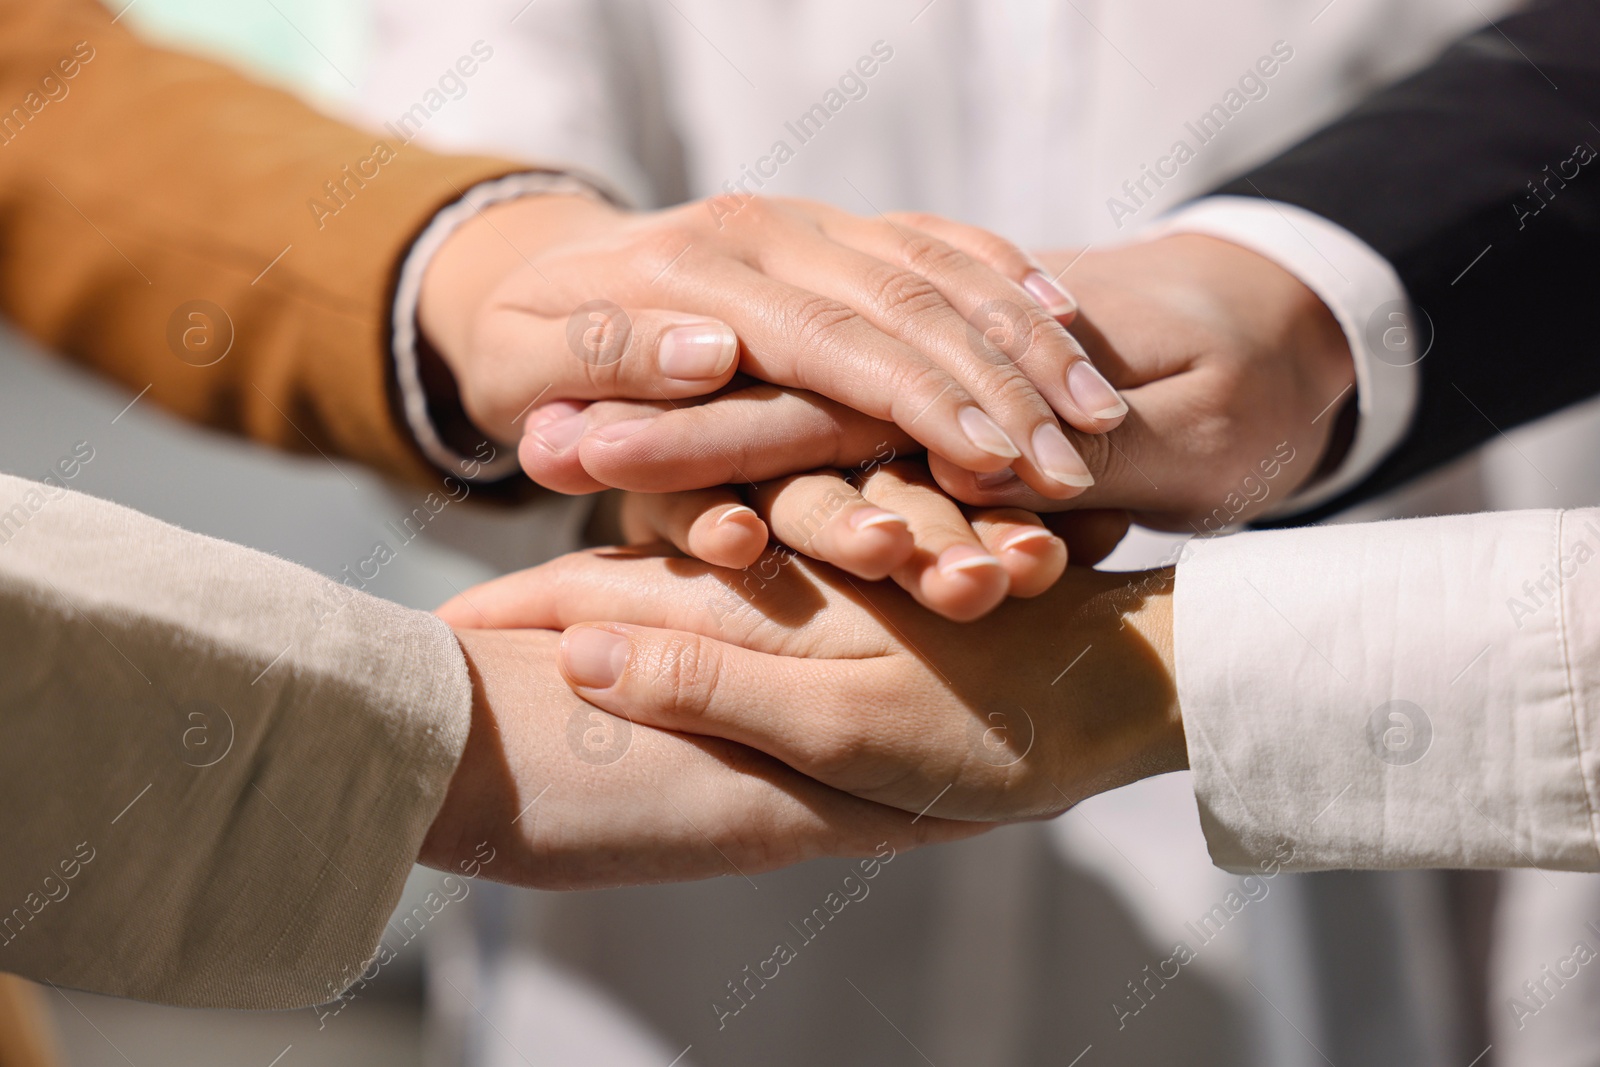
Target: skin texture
(568,797)
(872,313)
(897,524)
(1230,364)
(860,687)
(1227,362)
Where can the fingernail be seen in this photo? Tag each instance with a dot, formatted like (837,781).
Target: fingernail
(735,512)
(1092,393)
(1058,459)
(695,353)
(964,558)
(990,479)
(559,434)
(1054,299)
(1023,537)
(594,658)
(984,432)
(616,431)
(867,518)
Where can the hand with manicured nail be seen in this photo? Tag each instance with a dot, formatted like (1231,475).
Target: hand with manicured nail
(889,521)
(570,797)
(1237,375)
(1047,701)
(948,332)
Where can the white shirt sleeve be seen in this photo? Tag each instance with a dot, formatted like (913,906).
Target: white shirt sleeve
(1359,286)
(1423,693)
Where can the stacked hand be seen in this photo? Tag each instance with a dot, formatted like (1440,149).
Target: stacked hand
(1047,701)
(884,401)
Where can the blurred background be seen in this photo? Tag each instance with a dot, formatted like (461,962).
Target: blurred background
(1031,945)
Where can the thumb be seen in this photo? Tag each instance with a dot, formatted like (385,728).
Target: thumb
(599,352)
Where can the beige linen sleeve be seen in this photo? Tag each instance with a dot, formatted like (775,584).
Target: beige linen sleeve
(1422,693)
(216,767)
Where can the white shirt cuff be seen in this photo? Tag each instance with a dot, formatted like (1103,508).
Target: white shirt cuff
(413,397)
(1422,693)
(1366,297)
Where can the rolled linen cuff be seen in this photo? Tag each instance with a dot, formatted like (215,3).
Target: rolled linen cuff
(1401,694)
(1367,299)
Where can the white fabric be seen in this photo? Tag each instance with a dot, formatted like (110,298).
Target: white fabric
(1366,297)
(1292,647)
(1024,116)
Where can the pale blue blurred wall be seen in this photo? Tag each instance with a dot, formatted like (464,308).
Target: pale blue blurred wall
(318,47)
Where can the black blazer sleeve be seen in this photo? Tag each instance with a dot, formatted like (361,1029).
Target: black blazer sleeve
(1479,180)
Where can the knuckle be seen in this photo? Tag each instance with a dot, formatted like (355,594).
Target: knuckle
(688,671)
(999,253)
(903,295)
(919,385)
(836,749)
(759,211)
(1008,389)
(927,254)
(917,220)
(819,321)
(655,248)
(1045,333)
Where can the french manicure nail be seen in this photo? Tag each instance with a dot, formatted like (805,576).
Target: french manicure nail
(1023,537)
(984,432)
(1092,393)
(1050,296)
(735,512)
(964,558)
(616,431)
(867,518)
(991,479)
(594,658)
(560,434)
(1058,459)
(695,353)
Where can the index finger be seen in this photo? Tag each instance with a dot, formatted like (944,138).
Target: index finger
(752,434)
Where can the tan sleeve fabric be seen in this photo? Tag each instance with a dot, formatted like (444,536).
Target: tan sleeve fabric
(136,180)
(216,767)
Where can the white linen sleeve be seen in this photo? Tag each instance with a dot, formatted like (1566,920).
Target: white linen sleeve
(1365,295)
(1423,693)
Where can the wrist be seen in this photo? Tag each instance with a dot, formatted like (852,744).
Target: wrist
(1150,617)
(1127,620)
(477,788)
